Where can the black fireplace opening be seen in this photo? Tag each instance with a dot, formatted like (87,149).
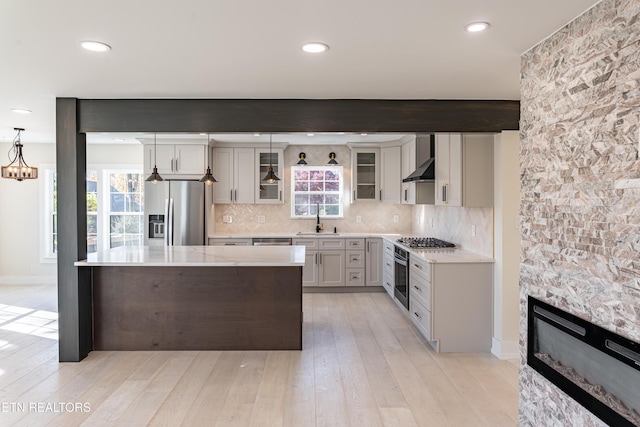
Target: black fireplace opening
(597,368)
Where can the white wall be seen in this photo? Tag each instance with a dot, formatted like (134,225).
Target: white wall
(506,245)
(21,203)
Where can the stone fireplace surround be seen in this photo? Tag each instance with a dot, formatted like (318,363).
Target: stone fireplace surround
(580,188)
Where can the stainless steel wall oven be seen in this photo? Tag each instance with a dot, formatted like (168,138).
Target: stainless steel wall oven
(401,285)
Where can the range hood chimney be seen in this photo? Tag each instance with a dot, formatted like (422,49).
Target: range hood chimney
(425,157)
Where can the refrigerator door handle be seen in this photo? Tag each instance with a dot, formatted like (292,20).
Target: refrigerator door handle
(166,222)
(171,222)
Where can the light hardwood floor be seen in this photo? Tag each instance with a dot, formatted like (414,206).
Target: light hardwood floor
(363,364)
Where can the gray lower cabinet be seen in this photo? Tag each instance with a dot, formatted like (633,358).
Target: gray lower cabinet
(373,261)
(355,262)
(331,268)
(325,261)
(451,304)
(310,269)
(388,272)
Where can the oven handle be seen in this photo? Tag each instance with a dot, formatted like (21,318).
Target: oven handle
(401,260)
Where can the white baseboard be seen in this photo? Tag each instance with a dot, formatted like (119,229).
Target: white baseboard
(505,349)
(28,280)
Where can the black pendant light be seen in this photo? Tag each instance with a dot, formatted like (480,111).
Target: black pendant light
(18,169)
(270,177)
(155,176)
(208,178)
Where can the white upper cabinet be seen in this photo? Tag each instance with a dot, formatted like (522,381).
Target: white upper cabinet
(234,169)
(365,170)
(265,192)
(449,169)
(390,175)
(176,159)
(408,166)
(464,170)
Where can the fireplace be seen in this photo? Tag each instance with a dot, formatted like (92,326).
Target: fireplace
(597,368)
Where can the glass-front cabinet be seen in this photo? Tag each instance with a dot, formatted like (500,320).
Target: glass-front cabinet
(267,192)
(365,166)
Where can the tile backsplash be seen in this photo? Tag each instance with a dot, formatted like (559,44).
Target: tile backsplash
(454,224)
(375,217)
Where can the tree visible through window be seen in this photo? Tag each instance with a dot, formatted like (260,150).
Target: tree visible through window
(125,209)
(114,210)
(316,187)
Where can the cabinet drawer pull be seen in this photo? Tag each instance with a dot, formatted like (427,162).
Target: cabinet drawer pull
(417,266)
(355,276)
(354,195)
(280,197)
(177,165)
(417,315)
(355,258)
(388,265)
(416,287)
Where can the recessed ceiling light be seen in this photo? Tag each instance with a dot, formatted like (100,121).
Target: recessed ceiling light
(363,134)
(95,46)
(21,110)
(310,134)
(256,134)
(475,27)
(315,47)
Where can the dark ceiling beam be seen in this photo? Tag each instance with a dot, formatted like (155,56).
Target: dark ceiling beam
(296,115)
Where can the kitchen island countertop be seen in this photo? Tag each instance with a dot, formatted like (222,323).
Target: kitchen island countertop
(198,256)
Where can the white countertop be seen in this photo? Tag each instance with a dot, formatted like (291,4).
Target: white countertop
(449,256)
(304,235)
(198,256)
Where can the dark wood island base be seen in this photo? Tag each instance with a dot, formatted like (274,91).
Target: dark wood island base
(197,308)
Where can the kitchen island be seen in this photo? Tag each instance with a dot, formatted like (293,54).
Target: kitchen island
(197,298)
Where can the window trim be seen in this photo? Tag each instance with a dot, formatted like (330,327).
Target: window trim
(46,202)
(340,191)
(46,209)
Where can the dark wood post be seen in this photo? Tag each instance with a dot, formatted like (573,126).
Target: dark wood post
(74,284)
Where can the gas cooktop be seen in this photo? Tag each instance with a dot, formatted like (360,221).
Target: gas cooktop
(425,243)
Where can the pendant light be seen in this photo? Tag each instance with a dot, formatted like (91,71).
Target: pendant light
(155,176)
(208,178)
(20,170)
(270,177)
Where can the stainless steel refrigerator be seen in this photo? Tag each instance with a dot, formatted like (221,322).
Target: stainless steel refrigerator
(174,213)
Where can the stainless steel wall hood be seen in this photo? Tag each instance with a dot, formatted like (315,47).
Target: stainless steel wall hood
(425,158)
(425,172)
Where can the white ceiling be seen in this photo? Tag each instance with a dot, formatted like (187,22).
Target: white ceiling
(405,49)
